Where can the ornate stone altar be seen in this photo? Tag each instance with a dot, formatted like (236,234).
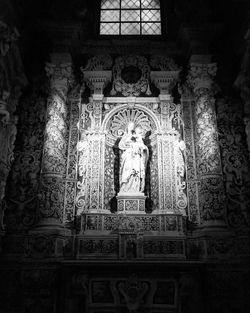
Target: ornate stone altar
(71,241)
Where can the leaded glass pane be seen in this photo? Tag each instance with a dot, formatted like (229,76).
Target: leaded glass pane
(110,16)
(130,15)
(151,28)
(150,4)
(109,28)
(151,16)
(110,4)
(130,4)
(130,28)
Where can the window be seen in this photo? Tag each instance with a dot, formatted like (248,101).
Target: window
(130,17)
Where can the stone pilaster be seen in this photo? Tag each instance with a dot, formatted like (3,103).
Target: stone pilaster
(208,160)
(55,143)
(187,103)
(12,79)
(95,138)
(242,83)
(165,81)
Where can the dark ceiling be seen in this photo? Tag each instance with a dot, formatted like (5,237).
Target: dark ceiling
(49,25)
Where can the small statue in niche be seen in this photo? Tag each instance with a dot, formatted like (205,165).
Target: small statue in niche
(133,160)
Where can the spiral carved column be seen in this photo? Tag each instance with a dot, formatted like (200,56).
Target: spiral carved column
(55,144)
(209,171)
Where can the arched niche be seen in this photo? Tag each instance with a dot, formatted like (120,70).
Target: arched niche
(114,125)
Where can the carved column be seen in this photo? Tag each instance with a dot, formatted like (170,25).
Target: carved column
(12,79)
(93,141)
(242,82)
(187,103)
(55,143)
(165,81)
(208,160)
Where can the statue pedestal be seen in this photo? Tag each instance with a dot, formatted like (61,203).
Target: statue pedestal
(131,203)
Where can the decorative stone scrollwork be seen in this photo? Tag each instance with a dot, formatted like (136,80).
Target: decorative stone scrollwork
(131,76)
(51,198)
(180,176)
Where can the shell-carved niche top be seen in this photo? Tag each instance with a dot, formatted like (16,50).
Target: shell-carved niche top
(131,76)
(118,124)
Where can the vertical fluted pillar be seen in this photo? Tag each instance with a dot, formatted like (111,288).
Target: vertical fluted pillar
(211,190)
(55,142)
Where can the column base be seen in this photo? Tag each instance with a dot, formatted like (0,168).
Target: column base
(51,226)
(214,226)
(131,203)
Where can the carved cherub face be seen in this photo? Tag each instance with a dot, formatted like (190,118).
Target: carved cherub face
(138,131)
(130,126)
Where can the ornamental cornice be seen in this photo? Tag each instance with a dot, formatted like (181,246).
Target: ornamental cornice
(60,73)
(96,80)
(165,80)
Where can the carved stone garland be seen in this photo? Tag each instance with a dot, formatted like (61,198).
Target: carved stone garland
(140,84)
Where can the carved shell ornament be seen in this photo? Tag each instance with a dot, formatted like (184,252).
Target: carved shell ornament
(120,121)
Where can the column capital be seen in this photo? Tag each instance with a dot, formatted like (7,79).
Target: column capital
(60,73)
(165,80)
(201,76)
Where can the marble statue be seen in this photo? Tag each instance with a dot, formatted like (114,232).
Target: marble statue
(133,160)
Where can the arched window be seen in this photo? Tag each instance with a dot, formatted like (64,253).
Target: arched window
(130,17)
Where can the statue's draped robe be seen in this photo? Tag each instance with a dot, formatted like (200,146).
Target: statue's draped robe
(132,165)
